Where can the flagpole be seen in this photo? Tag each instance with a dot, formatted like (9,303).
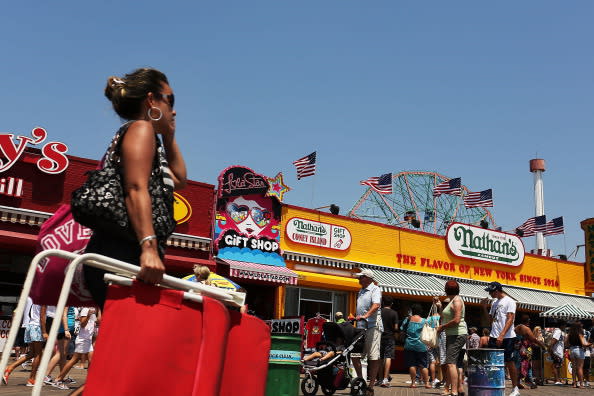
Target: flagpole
(313,183)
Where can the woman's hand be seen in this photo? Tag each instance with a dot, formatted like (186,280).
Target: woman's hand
(151,266)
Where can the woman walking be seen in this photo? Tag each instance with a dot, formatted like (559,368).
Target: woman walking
(456,334)
(145,100)
(576,342)
(415,352)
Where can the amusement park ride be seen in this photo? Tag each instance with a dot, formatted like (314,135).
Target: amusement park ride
(412,205)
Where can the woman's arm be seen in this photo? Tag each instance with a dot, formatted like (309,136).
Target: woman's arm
(65,323)
(175,160)
(137,155)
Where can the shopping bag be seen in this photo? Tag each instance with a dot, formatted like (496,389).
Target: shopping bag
(428,333)
(62,232)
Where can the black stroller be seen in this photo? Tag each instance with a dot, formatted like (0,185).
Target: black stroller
(334,374)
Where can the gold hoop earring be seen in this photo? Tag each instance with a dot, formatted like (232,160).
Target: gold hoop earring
(151,116)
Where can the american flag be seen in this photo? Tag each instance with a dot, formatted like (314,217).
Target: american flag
(382,184)
(452,187)
(306,166)
(533,225)
(555,226)
(479,199)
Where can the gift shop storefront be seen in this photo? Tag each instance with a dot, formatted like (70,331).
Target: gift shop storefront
(325,250)
(37,177)
(247,237)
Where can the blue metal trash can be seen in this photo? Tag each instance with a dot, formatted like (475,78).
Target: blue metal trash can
(486,372)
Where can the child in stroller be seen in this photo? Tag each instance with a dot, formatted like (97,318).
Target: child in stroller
(331,369)
(325,350)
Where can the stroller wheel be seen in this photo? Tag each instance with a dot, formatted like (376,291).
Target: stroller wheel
(309,386)
(358,387)
(328,391)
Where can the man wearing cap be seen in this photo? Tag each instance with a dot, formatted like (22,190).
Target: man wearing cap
(368,304)
(502,336)
(339,318)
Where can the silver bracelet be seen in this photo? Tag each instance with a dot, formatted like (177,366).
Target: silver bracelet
(147,238)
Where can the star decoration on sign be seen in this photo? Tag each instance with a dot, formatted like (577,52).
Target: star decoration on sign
(277,187)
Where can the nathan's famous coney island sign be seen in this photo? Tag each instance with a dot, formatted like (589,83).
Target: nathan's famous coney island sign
(315,233)
(478,243)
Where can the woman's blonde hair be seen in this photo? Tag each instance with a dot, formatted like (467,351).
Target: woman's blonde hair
(202,272)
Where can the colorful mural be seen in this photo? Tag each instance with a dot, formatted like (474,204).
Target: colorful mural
(247,224)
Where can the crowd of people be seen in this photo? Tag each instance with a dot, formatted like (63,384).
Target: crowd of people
(524,346)
(78,329)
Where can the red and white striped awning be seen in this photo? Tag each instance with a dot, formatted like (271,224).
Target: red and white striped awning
(267,273)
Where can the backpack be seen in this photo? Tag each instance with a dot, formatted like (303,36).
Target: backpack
(62,232)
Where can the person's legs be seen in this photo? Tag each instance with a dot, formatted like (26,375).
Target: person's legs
(37,348)
(425,376)
(453,377)
(580,371)
(67,367)
(412,371)
(387,365)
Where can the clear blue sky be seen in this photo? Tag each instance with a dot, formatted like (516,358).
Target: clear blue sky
(468,89)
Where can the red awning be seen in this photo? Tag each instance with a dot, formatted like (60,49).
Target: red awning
(267,273)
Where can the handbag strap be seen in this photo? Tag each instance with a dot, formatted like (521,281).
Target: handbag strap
(112,154)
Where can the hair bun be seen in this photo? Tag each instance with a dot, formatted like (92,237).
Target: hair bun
(114,86)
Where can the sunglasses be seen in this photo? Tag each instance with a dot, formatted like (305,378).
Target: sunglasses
(239,213)
(170,98)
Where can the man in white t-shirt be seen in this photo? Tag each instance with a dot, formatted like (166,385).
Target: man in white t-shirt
(557,349)
(502,336)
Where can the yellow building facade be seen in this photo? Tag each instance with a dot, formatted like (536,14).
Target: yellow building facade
(325,250)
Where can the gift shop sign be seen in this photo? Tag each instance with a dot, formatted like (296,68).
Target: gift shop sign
(314,233)
(53,158)
(477,243)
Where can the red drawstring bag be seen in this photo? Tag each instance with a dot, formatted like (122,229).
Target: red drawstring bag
(60,231)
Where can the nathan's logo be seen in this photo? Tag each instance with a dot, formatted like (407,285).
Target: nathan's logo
(486,245)
(53,160)
(310,228)
(318,234)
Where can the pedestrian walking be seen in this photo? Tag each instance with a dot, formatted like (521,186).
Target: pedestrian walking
(502,315)
(387,345)
(368,303)
(454,325)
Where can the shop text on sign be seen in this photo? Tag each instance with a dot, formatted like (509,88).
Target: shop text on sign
(472,270)
(315,233)
(53,159)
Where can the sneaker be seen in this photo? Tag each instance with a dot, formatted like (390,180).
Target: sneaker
(385,383)
(30,382)
(48,380)
(5,376)
(435,383)
(515,392)
(558,383)
(60,385)
(69,380)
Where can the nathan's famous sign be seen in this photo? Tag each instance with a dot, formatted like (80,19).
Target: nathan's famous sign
(318,234)
(477,243)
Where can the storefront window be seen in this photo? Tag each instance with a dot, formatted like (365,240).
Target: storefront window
(309,302)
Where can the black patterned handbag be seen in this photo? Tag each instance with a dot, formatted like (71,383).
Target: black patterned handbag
(99,203)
